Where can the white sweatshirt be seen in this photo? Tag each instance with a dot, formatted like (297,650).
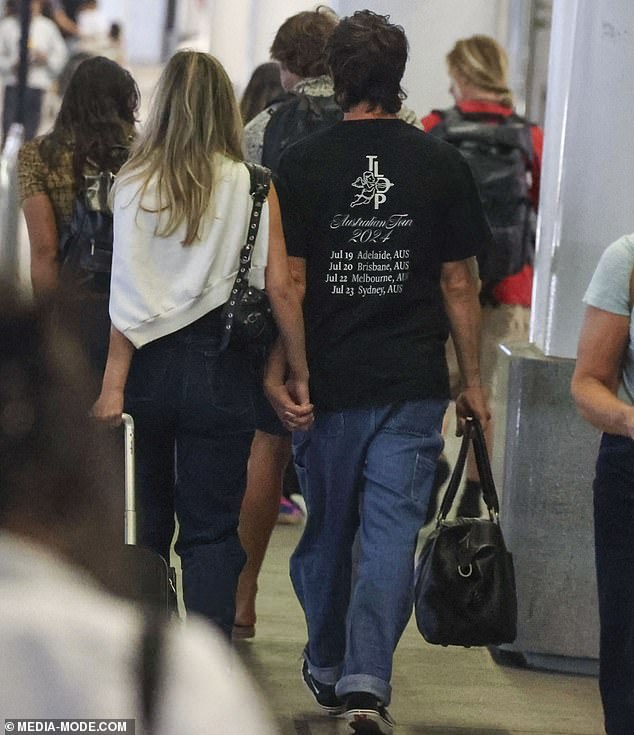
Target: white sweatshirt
(158,285)
(45,38)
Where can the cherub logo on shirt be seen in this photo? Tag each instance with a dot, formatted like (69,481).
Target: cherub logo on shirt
(374,185)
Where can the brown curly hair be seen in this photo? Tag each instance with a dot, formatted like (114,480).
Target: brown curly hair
(300,41)
(367,56)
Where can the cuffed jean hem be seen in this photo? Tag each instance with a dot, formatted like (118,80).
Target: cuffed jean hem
(364,683)
(327,675)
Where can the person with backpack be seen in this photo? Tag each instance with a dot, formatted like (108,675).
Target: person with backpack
(63,181)
(504,152)
(307,102)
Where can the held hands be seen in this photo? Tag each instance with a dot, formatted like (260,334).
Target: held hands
(629,421)
(472,402)
(109,407)
(291,402)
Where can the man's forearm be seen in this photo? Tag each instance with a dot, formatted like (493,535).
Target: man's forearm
(463,311)
(466,338)
(460,286)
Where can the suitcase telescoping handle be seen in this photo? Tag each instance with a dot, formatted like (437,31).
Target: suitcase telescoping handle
(130,496)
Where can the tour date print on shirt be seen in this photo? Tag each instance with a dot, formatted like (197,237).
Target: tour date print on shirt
(367,265)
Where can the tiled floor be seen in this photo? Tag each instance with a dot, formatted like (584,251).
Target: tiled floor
(437,691)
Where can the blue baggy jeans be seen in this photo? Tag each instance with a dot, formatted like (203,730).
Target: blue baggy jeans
(193,410)
(614,545)
(369,471)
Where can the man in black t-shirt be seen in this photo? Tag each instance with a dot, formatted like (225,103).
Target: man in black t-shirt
(383,224)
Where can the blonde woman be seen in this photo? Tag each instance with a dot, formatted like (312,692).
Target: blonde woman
(181,208)
(509,188)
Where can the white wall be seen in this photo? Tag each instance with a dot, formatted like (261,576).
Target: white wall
(240,32)
(115,10)
(143,24)
(586,186)
(253,25)
(432,27)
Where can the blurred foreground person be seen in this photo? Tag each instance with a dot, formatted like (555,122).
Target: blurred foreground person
(92,133)
(383,224)
(69,648)
(181,207)
(603,389)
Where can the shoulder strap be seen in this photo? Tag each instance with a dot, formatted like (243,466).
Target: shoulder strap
(260,180)
(274,132)
(450,115)
(454,115)
(259,190)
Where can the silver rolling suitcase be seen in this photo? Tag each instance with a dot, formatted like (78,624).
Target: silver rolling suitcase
(153,580)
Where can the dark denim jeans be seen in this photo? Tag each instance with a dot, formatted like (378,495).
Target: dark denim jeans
(367,470)
(193,409)
(614,540)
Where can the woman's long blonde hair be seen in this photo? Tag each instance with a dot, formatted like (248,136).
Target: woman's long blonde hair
(483,63)
(193,115)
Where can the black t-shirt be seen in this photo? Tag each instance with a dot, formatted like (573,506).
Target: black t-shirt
(375,207)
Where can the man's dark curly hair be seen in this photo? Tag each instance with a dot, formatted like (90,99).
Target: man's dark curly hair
(96,117)
(367,56)
(300,42)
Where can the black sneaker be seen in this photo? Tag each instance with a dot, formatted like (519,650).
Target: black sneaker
(323,694)
(366,715)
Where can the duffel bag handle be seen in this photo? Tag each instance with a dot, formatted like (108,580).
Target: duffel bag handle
(473,434)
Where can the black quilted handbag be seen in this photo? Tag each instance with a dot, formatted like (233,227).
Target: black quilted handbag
(465,582)
(247,317)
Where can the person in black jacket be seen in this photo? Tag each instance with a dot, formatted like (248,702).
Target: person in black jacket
(508,178)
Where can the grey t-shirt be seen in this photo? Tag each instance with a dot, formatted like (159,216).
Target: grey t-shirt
(609,290)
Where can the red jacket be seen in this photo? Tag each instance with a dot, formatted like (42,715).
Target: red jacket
(515,289)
